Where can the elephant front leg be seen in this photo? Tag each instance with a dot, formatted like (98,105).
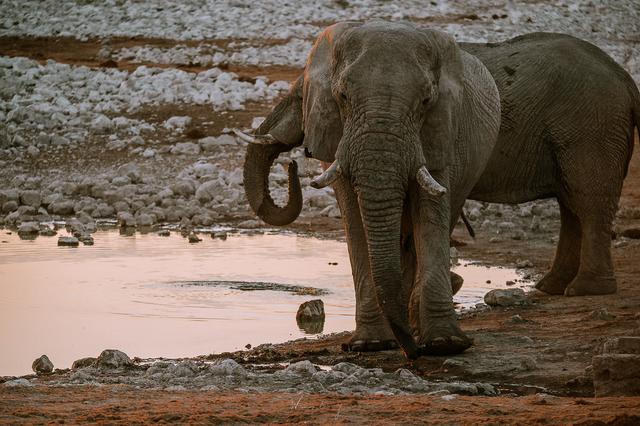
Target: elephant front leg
(372,330)
(439,330)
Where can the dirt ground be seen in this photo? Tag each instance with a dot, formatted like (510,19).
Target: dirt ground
(546,353)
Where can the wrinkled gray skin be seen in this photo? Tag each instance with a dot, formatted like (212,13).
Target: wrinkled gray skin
(382,100)
(568,114)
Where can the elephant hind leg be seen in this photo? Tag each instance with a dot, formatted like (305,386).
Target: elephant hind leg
(567,260)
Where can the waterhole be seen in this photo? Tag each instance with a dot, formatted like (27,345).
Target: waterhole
(150,295)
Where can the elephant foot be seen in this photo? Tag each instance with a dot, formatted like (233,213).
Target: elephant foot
(373,340)
(553,283)
(443,336)
(585,285)
(369,345)
(456,282)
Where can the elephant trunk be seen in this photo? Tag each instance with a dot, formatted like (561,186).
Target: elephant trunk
(256,185)
(381,182)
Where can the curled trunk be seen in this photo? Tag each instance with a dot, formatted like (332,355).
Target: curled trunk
(256,185)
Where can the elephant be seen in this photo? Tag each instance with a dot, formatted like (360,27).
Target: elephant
(568,117)
(566,131)
(405,123)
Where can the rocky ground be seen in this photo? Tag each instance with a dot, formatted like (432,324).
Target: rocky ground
(121,111)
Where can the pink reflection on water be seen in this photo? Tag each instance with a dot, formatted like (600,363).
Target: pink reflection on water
(128,293)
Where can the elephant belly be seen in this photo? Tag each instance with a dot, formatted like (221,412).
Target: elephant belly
(520,169)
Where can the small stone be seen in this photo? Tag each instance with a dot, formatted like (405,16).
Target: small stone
(247,346)
(86,239)
(126,219)
(313,310)
(28,228)
(61,208)
(164,233)
(506,297)
(68,241)
(113,358)
(177,122)
(544,399)
(517,319)
(310,316)
(219,235)
(83,363)
(42,365)
(193,238)
(144,219)
(47,232)
(601,314)
(31,198)
(185,148)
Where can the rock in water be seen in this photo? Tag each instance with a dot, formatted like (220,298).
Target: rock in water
(616,372)
(68,241)
(310,316)
(42,365)
(113,358)
(508,297)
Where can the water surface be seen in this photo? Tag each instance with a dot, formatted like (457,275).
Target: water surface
(162,296)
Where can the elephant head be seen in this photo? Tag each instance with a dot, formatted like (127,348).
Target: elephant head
(378,101)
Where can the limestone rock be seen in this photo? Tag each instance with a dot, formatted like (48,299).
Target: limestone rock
(310,316)
(507,297)
(113,358)
(313,310)
(83,363)
(185,148)
(28,228)
(62,207)
(42,365)
(31,198)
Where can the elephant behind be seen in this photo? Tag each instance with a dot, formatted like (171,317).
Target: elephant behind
(568,117)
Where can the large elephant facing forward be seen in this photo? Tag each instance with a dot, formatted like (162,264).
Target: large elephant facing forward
(407,121)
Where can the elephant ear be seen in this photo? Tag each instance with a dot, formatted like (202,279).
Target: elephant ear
(284,123)
(440,128)
(322,123)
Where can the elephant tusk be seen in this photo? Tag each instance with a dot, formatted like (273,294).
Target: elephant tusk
(428,183)
(328,177)
(257,139)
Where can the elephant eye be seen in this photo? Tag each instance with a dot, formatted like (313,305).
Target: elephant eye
(426,101)
(343,96)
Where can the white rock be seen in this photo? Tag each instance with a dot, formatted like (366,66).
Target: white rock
(185,148)
(101,124)
(177,122)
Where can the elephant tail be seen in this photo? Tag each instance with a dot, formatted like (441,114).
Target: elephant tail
(467,224)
